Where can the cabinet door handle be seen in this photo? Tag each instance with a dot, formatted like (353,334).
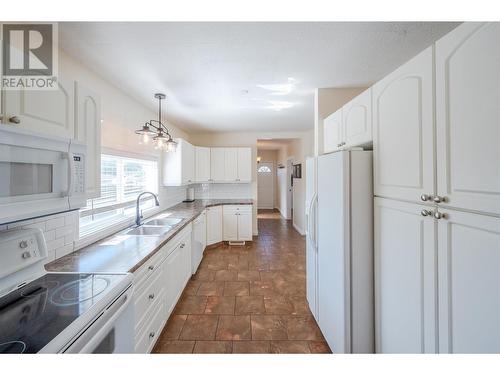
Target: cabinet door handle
(15,120)
(339,144)
(438,215)
(182,245)
(152,296)
(151,335)
(425,197)
(151,267)
(438,199)
(426,213)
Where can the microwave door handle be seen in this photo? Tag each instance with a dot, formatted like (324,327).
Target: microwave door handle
(71,168)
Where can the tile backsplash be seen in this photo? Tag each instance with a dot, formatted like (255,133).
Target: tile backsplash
(60,232)
(223,191)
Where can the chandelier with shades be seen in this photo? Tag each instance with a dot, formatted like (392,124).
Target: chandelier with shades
(157,131)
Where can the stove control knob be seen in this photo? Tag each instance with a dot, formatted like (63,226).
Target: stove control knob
(26,255)
(23,244)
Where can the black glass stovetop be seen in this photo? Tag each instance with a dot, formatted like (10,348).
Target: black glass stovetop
(30,317)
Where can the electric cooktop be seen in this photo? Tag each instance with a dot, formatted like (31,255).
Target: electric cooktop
(30,317)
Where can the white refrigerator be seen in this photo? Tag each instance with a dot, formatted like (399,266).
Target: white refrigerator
(339,261)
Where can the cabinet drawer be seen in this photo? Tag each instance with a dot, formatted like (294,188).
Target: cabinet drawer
(148,268)
(232,209)
(146,339)
(147,295)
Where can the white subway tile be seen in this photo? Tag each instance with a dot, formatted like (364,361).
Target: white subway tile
(54,223)
(65,250)
(51,255)
(53,245)
(64,231)
(50,235)
(36,225)
(69,239)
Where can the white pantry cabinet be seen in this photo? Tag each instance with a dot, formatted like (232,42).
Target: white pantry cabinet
(469,279)
(88,130)
(214,224)
(237,221)
(202,164)
(49,112)
(403,131)
(357,120)
(405,278)
(332,132)
(468,117)
(179,166)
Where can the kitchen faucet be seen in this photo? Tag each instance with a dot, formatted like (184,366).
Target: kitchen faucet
(138,213)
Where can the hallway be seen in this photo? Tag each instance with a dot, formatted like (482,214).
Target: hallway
(247,299)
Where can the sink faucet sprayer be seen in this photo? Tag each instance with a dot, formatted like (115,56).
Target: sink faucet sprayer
(138,213)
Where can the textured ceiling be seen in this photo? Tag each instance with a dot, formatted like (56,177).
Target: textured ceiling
(243,76)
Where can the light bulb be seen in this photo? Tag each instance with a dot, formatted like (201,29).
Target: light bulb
(145,139)
(160,144)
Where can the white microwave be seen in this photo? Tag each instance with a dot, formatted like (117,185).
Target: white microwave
(39,175)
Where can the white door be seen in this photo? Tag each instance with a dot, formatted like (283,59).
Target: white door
(245,226)
(230,225)
(405,278)
(333,251)
(265,185)
(311,236)
(217,164)
(357,120)
(244,164)
(202,164)
(468,117)
(231,164)
(403,130)
(48,111)
(469,279)
(88,130)
(214,225)
(332,132)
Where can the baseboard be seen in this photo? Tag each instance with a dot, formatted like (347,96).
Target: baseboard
(298,229)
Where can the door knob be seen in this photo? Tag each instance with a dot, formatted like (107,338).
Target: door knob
(425,213)
(438,199)
(14,120)
(438,215)
(425,197)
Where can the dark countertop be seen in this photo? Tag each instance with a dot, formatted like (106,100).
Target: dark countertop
(125,253)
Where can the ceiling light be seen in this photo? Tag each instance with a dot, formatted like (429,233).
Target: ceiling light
(161,137)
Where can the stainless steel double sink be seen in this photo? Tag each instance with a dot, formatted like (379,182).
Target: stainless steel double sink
(155,227)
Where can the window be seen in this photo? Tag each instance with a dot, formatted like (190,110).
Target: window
(122,180)
(264,169)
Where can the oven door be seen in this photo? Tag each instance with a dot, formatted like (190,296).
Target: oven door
(111,332)
(35,178)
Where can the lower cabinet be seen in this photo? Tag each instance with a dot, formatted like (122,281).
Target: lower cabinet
(158,284)
(214,224)
(199,241)
(237,222)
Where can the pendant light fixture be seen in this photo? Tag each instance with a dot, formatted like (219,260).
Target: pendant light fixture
(159,132)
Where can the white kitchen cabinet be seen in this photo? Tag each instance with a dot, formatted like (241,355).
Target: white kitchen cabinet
(88,131)
(214,224)
(469,279)
(49,112)
(244,164)
(173,269)
(468,117)
(230,164)
(217,164)
(332,132)
(237,221)
(179,166)
(357,120)
(199,241)
(202,164)
(403,131)
(405,278)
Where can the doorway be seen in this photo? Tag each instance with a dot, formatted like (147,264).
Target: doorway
(265,183)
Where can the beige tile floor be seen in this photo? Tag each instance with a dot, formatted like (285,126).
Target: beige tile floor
(247,299)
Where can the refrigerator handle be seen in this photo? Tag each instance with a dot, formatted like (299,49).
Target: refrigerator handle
(309,215)
(312,220)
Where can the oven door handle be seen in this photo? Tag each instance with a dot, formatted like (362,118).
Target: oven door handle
(71,168)
(98,332)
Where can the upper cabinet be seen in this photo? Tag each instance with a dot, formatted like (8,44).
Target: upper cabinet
(468,117)
(49,111)
(332,132)
(202,164)
(231,164)
(357,120)
(88,131)
(349,126)
(403,119)
(179,166)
